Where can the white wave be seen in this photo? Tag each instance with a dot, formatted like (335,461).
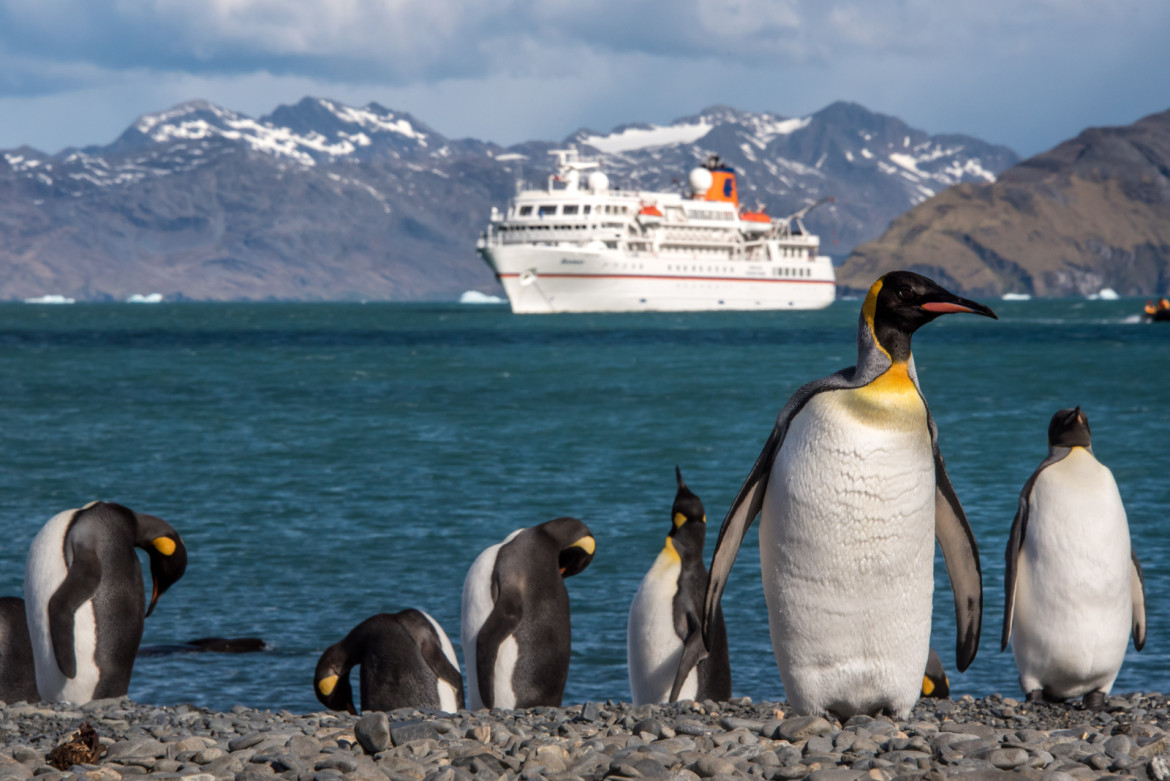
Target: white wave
(1016,297)
(149,298)
(50,298)
(476,297)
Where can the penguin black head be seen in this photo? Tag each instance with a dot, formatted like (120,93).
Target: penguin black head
(934,681)
(167,553)
(688,518)
(331,680)
(1069,428)
(901,302)
(576,544)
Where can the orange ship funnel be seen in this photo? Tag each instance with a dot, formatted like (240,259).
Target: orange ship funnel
(722,186)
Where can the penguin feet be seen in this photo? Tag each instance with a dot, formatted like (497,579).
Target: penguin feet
(1094,700)
(1034,696)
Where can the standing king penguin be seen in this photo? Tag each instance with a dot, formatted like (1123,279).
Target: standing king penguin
(515,625)
(666,613)
(407,661)
(84,597)
(18,680)
(1074,591)
(852,491)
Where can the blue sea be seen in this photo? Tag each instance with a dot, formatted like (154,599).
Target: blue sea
(326,462)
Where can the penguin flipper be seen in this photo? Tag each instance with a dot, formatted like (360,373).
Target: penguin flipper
(1012,561)
(694,651)
(80,583)
(432,651)
(1016,543)
(961,555)
(750,499)
(500,624)
(1137,585)
(735,527)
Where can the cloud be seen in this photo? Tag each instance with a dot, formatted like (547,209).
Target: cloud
(404,42)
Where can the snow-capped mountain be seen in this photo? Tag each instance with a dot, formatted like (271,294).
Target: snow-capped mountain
(322,200)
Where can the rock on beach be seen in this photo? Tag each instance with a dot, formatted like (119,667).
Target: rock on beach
(990,738)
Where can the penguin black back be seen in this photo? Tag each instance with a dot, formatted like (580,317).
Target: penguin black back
(403,665)
(18,680)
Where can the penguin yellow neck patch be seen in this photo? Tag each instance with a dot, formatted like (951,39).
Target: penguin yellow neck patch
(669,550)
(891,399)
(164,545)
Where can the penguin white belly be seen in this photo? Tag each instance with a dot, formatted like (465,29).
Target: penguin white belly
(653,647)
(477,606)
(503,691)
(1073,609)
(448,697)
(847,551)
(45,570)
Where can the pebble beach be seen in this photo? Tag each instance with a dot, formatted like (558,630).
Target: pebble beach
(983,738)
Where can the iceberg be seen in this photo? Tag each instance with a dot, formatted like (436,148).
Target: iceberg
(50,298)
(1105,294)
(476,297)
(1016,297)
(149,298)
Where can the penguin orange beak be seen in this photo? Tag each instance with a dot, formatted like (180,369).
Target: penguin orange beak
(957,306)
(154,594)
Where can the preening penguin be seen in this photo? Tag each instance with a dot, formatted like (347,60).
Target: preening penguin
(84,597)
(18,682)
(852,491)
(1074,591)
(406,660)
(516,629)
(666,612)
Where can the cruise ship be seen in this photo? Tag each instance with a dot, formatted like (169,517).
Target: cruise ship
(580,246)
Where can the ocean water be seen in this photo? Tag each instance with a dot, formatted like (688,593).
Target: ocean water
(327,462)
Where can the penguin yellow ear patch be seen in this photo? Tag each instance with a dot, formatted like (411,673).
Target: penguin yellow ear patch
(587,544)
(164,545)
(679,520)
(327,684)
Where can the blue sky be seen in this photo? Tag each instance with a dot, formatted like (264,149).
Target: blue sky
(1025,73)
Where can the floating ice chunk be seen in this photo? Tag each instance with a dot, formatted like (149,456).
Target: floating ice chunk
(476,297)
(149,298)
(1105,294)
(50,298)
(1016,297)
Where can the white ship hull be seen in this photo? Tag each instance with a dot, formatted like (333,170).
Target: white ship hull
(541,280)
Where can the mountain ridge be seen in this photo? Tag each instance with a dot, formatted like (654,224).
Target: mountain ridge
(318,200)
(1091,213)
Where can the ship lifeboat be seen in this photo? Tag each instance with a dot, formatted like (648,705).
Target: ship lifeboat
(755,222)
(650,215)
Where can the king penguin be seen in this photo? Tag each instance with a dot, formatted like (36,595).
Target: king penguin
(1074,591)
(851,491)
(84,597)
(407,661)
(515,624)
(666,611)
(18,682)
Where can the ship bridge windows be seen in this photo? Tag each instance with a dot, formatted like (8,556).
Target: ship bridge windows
(525,211)
(585,209)
(547,209)
(570,208)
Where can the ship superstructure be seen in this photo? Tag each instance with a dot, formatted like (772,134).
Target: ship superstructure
(579,245)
